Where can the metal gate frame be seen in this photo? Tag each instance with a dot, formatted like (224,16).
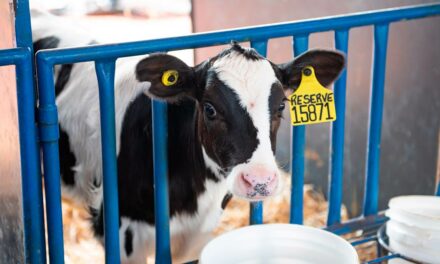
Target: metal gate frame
(105,56)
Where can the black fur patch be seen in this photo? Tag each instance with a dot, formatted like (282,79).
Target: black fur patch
(128,245)
(63,77)
(226,200)
(135,161)
(67,159)
(231,138)
(248,53)
(46,43)
(52,42)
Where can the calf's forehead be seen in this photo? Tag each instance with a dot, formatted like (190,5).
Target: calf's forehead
(250,79)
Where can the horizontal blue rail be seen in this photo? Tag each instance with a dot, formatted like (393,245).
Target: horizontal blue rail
(82,54)
(104,57)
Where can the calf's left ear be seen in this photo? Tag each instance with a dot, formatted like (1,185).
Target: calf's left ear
(171,79)
(327,65)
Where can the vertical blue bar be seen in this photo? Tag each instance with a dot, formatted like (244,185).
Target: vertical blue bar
(256,208)
(35,245)
(105,71)
(160,160)
(49,135)
(375,120)
(23,29)
(337,133)
(33,209)
(300,45)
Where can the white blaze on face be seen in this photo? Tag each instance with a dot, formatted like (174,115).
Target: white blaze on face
(251,80)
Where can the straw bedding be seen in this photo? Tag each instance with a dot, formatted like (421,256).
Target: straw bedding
(81,247)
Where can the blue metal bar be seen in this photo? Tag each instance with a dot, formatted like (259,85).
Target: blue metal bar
(337,132)
(49,135)
(357,223)
(300,45)
(364,240)
(33,209)
(105,71)
(96,52)
(256,208)
(35,246)
(381,259)
(161,200)
(23,29)
(371,195)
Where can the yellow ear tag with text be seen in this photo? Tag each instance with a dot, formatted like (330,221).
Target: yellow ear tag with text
(311,103)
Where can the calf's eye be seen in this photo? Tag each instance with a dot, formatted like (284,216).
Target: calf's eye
(209,110)
(281,107)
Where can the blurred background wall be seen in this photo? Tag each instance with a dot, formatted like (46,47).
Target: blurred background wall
(11,230)
(411,119)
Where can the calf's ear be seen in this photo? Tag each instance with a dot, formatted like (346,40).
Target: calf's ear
(171,79)
(327,65)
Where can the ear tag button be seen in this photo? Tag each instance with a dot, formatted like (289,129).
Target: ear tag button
(311,103)
(170,77)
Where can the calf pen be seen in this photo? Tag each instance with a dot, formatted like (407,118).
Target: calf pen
(41,130)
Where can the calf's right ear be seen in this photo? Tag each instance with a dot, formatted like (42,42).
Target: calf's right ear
(171,79)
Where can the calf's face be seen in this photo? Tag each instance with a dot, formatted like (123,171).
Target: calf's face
(240,99)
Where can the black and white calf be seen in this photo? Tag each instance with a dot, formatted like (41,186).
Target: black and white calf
(223,119)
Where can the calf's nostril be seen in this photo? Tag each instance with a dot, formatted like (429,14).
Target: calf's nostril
(245,180)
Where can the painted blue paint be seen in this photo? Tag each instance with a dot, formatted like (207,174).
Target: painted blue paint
(300,45)
(384,258)
(23,29)
(363,240)
(49,135)
(337,133)
(29,154)
(160,163)
(256,208)
(372,221)
(371,195)
(33,209)
(105,71)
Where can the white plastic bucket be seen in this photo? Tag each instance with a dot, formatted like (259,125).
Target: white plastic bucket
(279,244)
(416,210)
(414,227)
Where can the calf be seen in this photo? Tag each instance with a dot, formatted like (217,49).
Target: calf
(223,119)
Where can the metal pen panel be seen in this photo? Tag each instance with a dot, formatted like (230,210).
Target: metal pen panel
(33,220)
(49,135)
(256,208)
(161,198)
(337,134)
(257,33)
(105,71)
(300,45)
(371,195)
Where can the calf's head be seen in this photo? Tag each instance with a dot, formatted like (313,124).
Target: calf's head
(240,97)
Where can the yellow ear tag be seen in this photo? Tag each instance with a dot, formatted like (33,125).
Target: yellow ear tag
(311,103)
(170,77)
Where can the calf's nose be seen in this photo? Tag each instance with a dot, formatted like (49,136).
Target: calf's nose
(257,182)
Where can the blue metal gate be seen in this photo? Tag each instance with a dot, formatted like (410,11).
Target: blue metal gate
(104,57)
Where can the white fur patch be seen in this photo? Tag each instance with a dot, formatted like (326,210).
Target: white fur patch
(252,82)
(211,164)
(189,233)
